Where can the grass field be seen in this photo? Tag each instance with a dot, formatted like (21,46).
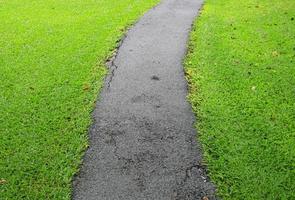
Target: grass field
(52,56)
(241,69)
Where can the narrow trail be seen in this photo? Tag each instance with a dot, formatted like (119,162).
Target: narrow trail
(143,142)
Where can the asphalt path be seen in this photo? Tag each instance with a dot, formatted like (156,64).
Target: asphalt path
(143,143)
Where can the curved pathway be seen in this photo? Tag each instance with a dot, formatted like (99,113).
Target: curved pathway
(142,142)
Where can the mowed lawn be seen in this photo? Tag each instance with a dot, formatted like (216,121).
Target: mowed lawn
(52,56)
(241,69)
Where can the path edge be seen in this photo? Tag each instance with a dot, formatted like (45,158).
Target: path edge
(110,68)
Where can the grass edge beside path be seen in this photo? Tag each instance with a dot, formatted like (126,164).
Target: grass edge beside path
(240,69)
(52,64)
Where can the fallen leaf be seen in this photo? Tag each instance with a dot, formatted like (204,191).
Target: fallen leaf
(275,53)
(2,181)
(86,87)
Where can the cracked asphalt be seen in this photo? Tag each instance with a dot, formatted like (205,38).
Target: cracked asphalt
(143,142)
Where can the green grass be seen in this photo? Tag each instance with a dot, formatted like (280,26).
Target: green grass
(241,70)
(52,56)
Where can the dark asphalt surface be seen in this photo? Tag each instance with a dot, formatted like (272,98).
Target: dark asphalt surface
(142,143)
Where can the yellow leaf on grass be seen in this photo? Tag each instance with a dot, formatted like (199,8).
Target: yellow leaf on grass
(2,181)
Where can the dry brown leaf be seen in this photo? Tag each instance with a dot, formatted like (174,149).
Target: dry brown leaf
(86,87)
(2,181)
(205,198)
